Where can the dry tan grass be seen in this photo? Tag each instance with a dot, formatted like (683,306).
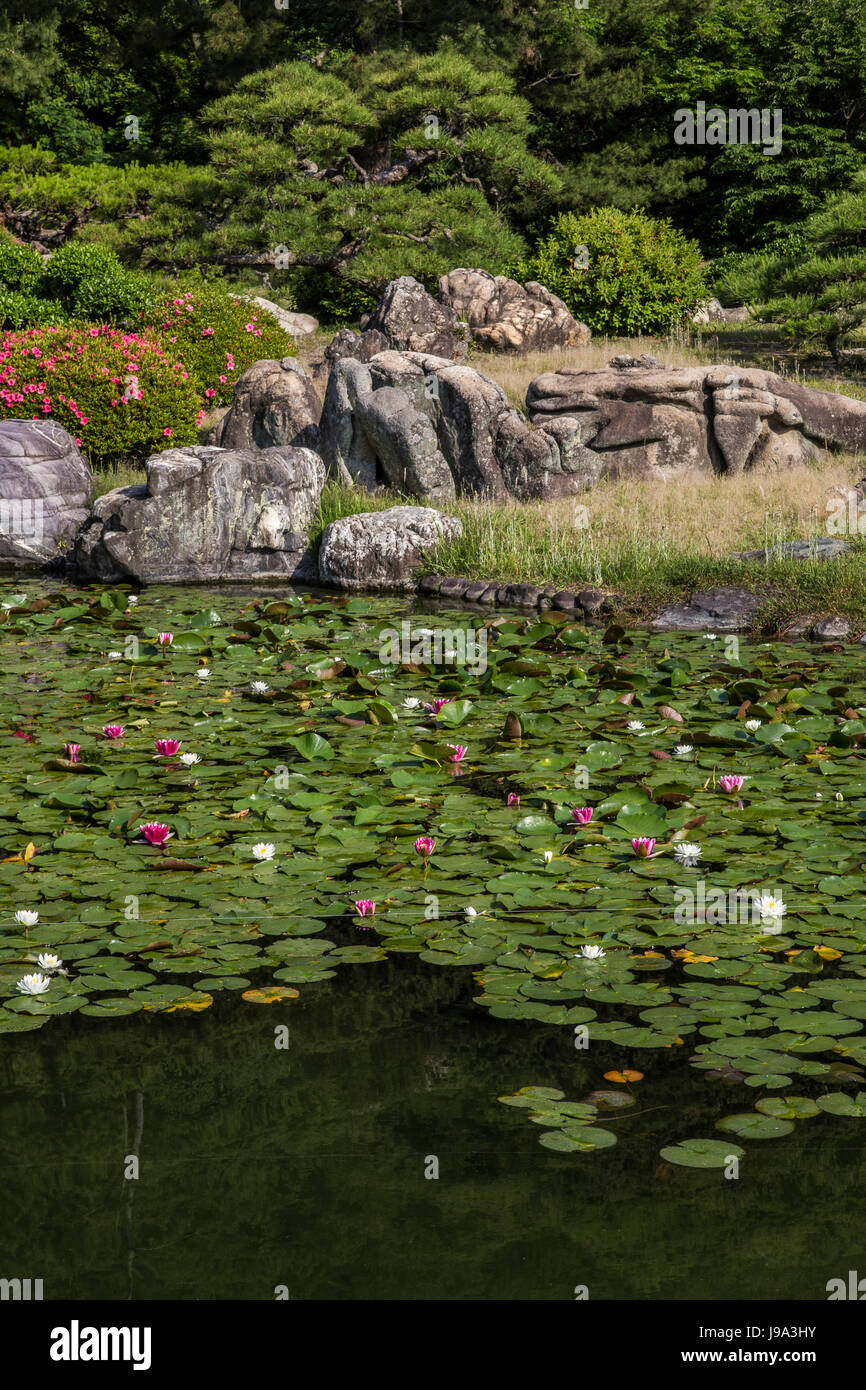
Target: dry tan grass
(706,513)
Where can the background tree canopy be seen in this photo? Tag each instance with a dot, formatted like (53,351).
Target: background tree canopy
(311,126)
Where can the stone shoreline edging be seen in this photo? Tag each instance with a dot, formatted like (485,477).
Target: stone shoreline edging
(494,593)
(592,603)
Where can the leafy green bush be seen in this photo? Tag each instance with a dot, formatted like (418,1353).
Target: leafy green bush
(90,283)
(20,266)
(120,395)
(217,335)
(620,272)
(79,282)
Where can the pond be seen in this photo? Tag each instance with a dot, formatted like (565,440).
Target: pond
(620,1052)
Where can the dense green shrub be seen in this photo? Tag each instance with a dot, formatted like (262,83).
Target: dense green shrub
(217,335)
(811,282)
(90,283)
(620,272)
(79,282)
(120,395)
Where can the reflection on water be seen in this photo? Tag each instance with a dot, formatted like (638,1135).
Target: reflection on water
(304,1167)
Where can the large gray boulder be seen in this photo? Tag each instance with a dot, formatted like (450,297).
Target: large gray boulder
(412,321)
(423,425)
(46,489)
(275,403)
(662,421)
(381,550)
(504,316)
(208,514)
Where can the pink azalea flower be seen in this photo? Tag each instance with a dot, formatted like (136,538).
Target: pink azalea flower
(731,783)
(425,845)
(364,906)
(155,832)
(582,814)
(643,848)
(165,639)
(460,751)
(513,799)
(112,730)
(72,751)
(167,747)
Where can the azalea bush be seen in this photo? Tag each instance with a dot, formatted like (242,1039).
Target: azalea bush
(621,273)
(218,335)
(120,395)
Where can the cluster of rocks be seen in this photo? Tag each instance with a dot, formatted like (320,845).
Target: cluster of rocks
(492,312)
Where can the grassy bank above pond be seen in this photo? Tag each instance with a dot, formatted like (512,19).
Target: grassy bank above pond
(652,543)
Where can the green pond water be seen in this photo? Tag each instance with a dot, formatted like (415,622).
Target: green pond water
(679,1117)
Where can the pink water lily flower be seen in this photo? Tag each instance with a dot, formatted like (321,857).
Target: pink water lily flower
(582,814)
(438,703)
(155,832)
(513,799)
(731,783)
(364,906)
(165,639)
(425,845)
(167,747)
(460,751)
(72,751)
(643,848)
(112,731)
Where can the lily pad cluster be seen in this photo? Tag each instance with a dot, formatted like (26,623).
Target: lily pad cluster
(321,803)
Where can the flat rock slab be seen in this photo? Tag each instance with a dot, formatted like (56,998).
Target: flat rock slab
(821,548)
(726,609)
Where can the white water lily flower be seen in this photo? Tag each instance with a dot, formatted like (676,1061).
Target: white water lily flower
(50,962)
(839,796)
(115,656)
(819,796)
(687,853)
(33,984)
(683,750)
(190,759)
(470,912)
(770,906)
(753,724)
(133,599)
(548,855)
(711,637)
(411,702)
(592,952)
(259,687)
(25,918)
(203,673)
(264,851)
(634,726)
